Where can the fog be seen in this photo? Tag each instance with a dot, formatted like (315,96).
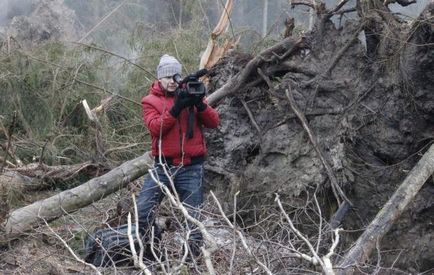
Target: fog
(112,29)
(11,8)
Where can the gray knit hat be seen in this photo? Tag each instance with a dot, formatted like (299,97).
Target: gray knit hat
(168,66)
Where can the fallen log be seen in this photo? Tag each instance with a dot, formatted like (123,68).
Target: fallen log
(390,212)
(23,219)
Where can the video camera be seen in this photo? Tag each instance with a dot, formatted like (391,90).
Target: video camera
(191,83)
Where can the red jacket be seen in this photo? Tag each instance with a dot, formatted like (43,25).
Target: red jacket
(174,142)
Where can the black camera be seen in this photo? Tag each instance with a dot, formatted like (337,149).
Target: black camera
(191,83)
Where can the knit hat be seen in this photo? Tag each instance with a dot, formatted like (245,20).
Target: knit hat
(168,66)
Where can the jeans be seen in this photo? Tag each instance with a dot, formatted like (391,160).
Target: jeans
(188,185)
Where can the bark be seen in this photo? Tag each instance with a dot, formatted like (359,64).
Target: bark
(390,212)
(25,218)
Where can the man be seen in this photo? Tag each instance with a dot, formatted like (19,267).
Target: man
(175,120)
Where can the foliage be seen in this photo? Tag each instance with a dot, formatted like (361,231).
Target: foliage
(46,85)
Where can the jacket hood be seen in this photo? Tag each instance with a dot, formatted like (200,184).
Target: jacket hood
(156,89)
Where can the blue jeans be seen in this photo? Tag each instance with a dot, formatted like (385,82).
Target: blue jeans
(188,185)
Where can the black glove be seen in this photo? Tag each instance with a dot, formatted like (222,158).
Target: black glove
(182,100)
(200,105)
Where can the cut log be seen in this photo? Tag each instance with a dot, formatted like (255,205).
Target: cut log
(25,218)
(390,212)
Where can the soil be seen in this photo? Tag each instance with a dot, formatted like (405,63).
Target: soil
(372,126)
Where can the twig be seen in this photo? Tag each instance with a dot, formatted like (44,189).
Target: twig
(271,89)
(102,20)
(136,218)
(70,249)
(250,114)
(137,262)
(41,157)
(10,164)
(234,233)
(341,52)
(345,11)
(325,261)
(334,182)
(315,260)
(241,236)
(9,134)
(338,7)
(119,56)
(111,150)
(307,3)
(81,81)
(320,222)
(174,199)
(107,91)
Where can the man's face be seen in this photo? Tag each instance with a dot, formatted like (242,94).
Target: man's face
(168,84)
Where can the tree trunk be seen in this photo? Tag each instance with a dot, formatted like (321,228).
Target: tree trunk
(390,212)
(265,18)
(25,218)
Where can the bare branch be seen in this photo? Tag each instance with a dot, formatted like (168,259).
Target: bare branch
(138,261)
(78,259)
(390,212)
(307,3)
(250,114)
(174,199)
(315,260)
(241,236)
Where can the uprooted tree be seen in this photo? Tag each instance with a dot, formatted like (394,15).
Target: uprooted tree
(365,90)
(341,114)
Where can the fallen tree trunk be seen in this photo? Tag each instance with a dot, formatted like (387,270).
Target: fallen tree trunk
(25,218)
(390,212)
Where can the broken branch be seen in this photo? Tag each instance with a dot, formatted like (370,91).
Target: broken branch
(390,212)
